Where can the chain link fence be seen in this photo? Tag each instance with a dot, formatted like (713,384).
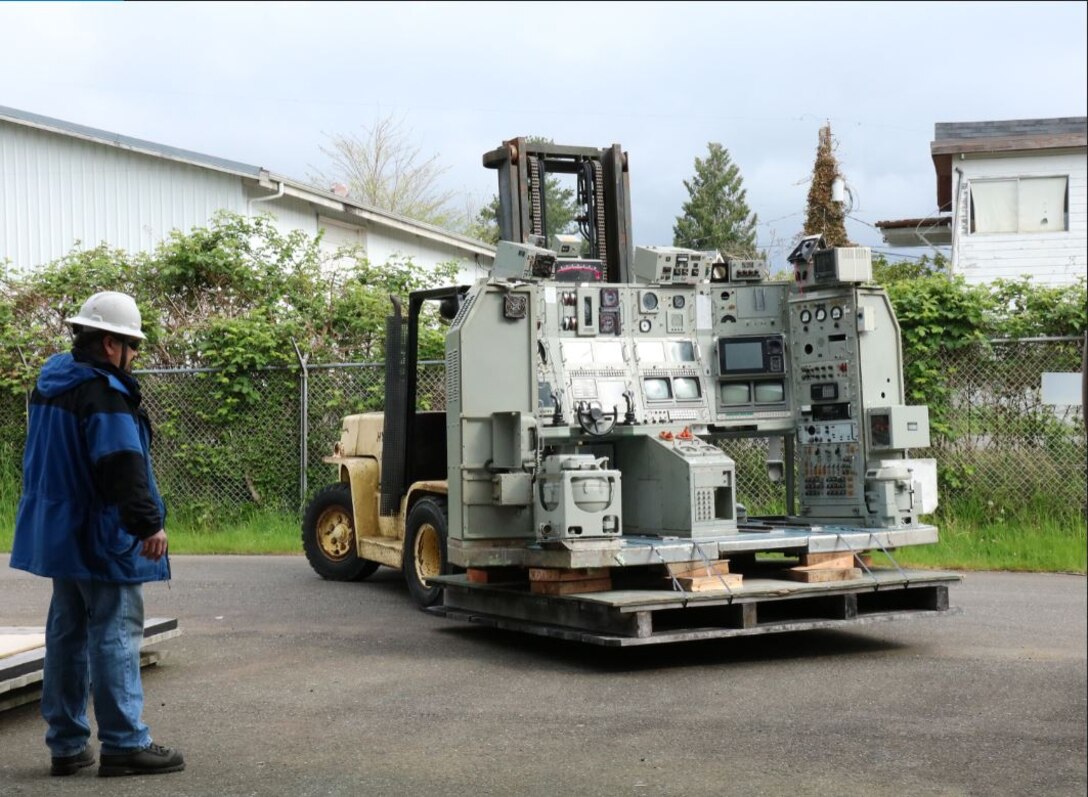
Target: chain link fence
(997,444)
(262,442)
(12,442)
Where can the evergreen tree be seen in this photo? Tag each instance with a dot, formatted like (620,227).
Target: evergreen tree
(822,215)
(716,215)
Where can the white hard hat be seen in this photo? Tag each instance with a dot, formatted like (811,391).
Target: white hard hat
(110,311)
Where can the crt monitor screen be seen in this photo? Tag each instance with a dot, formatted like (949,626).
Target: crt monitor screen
(770,392)
(686,387)
(656,389)
(740,356)
(733,395)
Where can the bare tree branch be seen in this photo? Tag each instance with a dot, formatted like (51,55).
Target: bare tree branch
(383,168)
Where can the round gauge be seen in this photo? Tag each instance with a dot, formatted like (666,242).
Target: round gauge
(836,313)
(806,316)
(644,325)
(649,301)
(678,301)
(821,314)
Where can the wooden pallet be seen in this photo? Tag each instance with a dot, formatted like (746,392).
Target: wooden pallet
(701,576)
(626,617)
(21,669)
(496,575)
(820,567)
(724,581)
(569,581)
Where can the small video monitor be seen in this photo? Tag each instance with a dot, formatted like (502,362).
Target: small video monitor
(770,392)
(656,389)
(733,395)
(686,388)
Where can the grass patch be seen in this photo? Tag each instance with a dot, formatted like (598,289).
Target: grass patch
(1042,546)
(10,487)
(260,532)
(255,532)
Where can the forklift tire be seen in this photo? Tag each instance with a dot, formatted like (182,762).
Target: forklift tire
(328,536)
(425,552)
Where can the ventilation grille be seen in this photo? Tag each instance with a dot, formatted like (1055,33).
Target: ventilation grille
(704,505)
(459,319)
(453,378)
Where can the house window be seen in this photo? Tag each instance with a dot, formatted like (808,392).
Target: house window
(1024,204)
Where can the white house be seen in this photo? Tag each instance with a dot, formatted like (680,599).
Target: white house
(1013,197)
(61,183)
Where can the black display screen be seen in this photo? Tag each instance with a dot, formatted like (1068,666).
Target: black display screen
(750,355)
(741,357)
(880,430)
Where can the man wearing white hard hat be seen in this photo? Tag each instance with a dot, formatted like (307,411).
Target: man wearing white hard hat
(91,518)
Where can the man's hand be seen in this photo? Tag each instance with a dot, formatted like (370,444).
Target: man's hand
(154,547)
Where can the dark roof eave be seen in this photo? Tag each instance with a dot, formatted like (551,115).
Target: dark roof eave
(956,146)
(929,222)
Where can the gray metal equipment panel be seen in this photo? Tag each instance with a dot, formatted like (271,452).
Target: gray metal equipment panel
(494,343)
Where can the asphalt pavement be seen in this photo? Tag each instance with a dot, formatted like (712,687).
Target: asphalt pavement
(284,684)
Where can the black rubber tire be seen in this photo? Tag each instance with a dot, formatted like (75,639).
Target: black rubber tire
(332,502)
(429,513)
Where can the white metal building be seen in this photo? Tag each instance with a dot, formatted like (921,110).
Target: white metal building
(63,183)
(1015,198)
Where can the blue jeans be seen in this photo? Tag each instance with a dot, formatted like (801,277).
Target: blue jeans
(92,644)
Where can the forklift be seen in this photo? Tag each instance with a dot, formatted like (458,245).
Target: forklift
(577,485)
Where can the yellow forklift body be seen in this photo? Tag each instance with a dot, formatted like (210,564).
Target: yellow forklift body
(358,457)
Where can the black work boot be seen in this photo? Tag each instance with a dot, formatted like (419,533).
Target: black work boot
(71,764)
(152,760)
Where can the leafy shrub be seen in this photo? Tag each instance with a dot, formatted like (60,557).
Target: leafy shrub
(236,296)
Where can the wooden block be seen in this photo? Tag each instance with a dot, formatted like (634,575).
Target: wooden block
(816,575)
(571,587)
(711,583)
(495,575)
(10,644)
(567,573)
(696,569)
(833,561)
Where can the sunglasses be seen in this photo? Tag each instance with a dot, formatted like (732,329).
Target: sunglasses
(133,343)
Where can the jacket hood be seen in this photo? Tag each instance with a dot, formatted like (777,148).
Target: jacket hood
(62,372)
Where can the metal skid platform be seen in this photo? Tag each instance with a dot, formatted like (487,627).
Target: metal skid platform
(764,604)
(626,551)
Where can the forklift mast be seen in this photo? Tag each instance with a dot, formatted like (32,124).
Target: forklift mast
(604,196)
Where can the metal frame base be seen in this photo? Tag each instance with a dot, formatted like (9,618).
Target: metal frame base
(623,618)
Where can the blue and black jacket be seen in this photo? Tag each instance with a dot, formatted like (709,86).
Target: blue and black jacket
(89,494)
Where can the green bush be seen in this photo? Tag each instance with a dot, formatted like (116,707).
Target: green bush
(237,297)
(1000,451)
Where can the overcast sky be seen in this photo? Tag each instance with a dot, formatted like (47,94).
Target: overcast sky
(266,83)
